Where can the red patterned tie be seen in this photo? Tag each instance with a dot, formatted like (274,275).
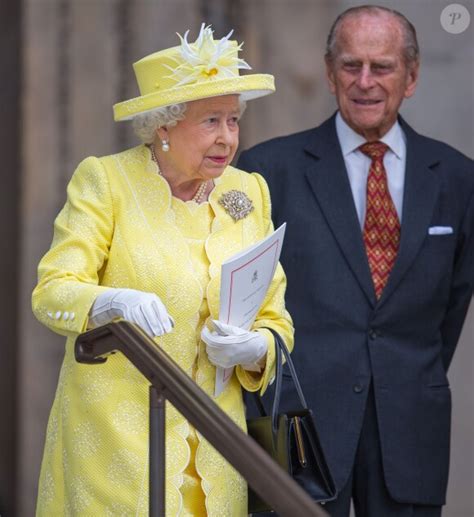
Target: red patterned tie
(381,227)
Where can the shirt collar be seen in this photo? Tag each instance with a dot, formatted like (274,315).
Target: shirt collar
(350,140)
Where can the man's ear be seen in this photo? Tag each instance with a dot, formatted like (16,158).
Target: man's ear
(330,75)
(412,79)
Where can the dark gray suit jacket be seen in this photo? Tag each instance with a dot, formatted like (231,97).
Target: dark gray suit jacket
(345,339)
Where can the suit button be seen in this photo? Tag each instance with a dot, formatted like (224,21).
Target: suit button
(358,388)
(373,334)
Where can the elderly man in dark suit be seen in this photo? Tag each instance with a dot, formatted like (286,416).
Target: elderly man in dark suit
(379,255)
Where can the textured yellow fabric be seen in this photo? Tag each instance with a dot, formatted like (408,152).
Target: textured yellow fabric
(194,222)
(194,499)
(119,228)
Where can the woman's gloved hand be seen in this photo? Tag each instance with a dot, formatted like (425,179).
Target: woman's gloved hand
(228,346)
(144,309)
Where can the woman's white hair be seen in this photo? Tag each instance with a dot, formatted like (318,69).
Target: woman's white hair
(146,124)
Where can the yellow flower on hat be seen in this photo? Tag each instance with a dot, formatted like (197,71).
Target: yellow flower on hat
(207,58)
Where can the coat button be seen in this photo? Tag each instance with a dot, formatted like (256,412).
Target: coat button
(373,334)
(358,388)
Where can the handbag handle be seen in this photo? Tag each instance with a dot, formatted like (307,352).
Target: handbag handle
(280,349)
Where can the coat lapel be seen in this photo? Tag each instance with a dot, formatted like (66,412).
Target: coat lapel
(419,199)
(327,177)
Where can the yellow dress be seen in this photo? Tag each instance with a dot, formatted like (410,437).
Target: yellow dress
(120,227)
(194,221)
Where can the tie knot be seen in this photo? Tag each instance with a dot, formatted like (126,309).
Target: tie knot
(374,150)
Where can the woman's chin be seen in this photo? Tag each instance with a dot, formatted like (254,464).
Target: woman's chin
(214,172)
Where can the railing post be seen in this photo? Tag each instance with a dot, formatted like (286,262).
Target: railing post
(157,453)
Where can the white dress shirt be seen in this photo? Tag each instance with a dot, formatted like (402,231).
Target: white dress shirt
(358,164)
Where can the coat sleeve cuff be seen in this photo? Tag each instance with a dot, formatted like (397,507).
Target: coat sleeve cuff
(259,381)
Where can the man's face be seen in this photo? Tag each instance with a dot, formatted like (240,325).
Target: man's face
(369,75)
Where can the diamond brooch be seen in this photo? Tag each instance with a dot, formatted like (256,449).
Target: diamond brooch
(236,204)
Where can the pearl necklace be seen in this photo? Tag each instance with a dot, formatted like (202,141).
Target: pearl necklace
(200,192)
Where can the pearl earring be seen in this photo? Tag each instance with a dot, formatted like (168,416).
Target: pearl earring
(165,146)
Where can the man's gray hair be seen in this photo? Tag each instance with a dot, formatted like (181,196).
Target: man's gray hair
(411,50)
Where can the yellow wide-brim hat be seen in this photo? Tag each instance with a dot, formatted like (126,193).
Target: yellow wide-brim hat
(192,71)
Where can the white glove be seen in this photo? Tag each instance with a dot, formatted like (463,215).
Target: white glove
(144,309)
(228,346)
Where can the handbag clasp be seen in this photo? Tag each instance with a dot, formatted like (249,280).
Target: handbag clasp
(300,442)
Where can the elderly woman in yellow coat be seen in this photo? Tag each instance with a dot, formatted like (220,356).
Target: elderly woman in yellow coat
(142,236)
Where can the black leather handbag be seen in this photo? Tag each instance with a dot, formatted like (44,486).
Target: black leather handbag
(291,439)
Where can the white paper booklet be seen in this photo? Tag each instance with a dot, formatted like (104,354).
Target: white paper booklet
(245,279)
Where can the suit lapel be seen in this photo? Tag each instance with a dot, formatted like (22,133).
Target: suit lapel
(327,177)
(419,199)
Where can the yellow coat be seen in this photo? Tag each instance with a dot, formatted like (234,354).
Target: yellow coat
(117,229)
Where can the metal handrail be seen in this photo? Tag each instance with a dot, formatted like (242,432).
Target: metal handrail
(262,473)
